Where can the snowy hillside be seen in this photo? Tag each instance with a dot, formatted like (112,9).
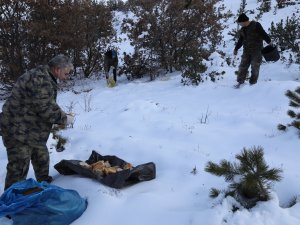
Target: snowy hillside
(181,128)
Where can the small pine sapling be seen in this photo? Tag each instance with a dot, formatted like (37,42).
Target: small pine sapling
(250,179)
(294,97)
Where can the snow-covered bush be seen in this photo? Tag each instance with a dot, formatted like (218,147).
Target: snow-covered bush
(174,34)
(284,3)
(287,35)
(32,32)
(250,179)
(134,66)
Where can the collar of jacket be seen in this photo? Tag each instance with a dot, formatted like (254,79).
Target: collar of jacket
(52,76)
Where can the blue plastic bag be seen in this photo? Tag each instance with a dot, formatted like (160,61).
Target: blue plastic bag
(32,203)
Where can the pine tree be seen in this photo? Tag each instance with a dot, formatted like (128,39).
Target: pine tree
(242,8)
(31,32)
(287,33)
(175,35)
(13,35)
(294,97)
(265,6)
(284,3)
(287,36)
(235,32)
(281,3)
(250,179)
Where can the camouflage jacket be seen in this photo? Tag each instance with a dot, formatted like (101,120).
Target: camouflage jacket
(31,110)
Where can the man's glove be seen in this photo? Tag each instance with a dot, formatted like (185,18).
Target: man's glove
(70,119)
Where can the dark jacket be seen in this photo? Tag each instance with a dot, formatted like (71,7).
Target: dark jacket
(110,59)
(252,36)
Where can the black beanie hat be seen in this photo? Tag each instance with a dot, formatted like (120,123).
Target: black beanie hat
(242,18)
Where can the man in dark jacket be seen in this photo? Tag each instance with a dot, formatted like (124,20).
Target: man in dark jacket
(27,117)
(110,60)
(251,37)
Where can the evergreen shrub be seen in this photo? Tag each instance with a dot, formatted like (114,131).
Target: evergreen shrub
(249,179)
(294,97)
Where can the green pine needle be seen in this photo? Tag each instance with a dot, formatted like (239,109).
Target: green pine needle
(251,177)
(294,98)
(296,124)
(291,113)
(281,127)
(214,193)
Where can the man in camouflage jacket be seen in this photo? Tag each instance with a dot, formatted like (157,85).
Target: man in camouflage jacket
(28,116)
(252,35)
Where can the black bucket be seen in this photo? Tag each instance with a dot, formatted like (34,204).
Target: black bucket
(270,53)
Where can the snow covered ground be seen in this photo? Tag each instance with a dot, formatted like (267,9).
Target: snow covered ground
(164,122)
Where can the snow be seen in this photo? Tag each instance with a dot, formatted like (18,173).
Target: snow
(180,128)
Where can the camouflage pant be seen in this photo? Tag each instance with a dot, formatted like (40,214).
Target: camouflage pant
(19,160)
(249,58)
